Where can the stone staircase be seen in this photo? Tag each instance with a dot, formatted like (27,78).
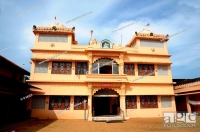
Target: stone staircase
(107,118)
(110,118)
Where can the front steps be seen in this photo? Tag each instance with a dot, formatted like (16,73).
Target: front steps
(109,118)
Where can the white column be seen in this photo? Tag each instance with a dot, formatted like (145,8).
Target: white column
(89,102)
(122,104)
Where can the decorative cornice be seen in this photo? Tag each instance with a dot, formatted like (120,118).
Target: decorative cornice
(49,29)
(145,36)
(114,89)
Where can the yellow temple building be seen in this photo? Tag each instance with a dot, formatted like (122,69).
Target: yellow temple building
(131,81)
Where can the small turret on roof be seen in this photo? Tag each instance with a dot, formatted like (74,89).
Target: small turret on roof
(55,28)
(145,34)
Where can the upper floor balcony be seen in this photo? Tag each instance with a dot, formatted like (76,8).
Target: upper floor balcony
(102,70)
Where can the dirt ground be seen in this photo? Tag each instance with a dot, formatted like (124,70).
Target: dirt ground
(131,125)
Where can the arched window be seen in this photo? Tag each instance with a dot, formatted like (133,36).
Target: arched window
(105,66)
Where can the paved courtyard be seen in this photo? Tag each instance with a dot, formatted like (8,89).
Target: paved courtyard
(132,125)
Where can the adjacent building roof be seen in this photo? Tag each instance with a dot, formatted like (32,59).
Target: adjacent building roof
(13,66)
(185,81)
(9,85)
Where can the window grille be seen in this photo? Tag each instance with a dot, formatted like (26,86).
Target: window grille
(61,67)
(148,101)
(41,68)
(81,68)
(79,102)
(129,69)
(162,70)
(151,43)
(166,101)
(59,102)
(131,102)
(52,38)
(144,69)
(38,102)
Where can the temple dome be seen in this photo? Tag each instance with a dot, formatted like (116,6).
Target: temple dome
(57,25)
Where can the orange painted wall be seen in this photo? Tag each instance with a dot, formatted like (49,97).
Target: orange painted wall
(57,84)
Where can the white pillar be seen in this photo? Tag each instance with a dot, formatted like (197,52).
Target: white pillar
(89,102)
(122,105)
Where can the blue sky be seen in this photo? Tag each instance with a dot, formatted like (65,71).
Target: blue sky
(165,17)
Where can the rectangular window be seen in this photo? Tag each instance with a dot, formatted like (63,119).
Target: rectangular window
(95,68)
(59,102)
(79,102)
(38,102)
(41,68)
(129,69)
(131,102)
(61,68)
(81,68)
(115,69)
(162,70)
(52,38)
(147,70)
(148,101)
(166,101)
(151,43)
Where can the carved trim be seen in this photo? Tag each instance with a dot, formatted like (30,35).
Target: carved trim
(114,89)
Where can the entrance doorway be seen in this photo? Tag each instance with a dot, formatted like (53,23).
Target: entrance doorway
(105,106)
(102,106)
(105,102)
